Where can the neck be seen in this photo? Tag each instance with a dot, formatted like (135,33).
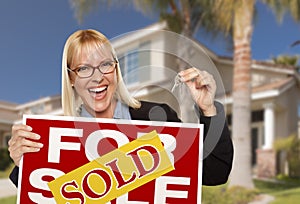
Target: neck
(108,113)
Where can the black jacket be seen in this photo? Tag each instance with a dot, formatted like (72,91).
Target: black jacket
(218,148)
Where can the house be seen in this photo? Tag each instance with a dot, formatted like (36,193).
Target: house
(150,59)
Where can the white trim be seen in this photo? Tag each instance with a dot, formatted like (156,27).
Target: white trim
(256,96)
(269,124)
(265,94)
(273,68)
(39,101)
(136,35)
(8,107)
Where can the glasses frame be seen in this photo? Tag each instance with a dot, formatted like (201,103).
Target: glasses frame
(94,68)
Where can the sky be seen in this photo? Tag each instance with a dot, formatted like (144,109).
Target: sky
(33,34)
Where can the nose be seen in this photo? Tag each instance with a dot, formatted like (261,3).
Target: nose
(97,75)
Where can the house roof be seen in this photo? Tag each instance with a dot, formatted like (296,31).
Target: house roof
(7,105)
(273,89)
(279,85)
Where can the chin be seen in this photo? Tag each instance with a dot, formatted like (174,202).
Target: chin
(101,108)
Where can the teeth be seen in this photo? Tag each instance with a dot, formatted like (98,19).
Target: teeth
(98,89)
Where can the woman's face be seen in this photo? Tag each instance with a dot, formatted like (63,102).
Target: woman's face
(96,91)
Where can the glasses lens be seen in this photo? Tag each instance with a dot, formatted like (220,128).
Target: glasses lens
(107,67)
(84,71)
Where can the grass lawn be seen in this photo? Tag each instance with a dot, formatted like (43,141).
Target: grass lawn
(290,196)
(286,191)
(9,200)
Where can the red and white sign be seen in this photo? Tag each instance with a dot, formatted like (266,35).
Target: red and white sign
(71,142)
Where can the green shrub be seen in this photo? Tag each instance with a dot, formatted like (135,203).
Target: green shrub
(5,160)
(290,145)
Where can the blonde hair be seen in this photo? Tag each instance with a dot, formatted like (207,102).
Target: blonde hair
(74,46)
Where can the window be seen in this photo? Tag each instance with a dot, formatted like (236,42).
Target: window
(132,61)
(254,144)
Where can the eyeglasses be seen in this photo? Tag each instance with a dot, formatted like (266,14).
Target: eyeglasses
(86,71)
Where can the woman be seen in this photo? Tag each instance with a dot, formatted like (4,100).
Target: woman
(92,86)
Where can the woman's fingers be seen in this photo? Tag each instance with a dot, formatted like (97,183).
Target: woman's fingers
(23,141)
(202,87)
(199,78)
(189,74)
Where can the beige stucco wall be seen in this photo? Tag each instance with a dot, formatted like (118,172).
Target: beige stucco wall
(287,113)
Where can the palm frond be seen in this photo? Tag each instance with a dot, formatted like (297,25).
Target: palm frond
(84,7)
(281,7)
(295,43)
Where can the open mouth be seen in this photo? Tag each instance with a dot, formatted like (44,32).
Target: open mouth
(98,90)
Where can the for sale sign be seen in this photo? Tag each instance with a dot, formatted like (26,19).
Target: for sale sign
(115,173)
(112,153)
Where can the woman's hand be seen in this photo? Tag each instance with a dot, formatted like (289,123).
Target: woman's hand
(21,142)
(202,87)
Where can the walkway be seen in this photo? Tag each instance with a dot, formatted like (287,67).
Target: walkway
(263,199)
(7,188)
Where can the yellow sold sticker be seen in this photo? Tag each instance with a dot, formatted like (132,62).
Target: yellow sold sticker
(114,174)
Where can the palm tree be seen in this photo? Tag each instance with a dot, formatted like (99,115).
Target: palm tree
(238,15)
(241,15)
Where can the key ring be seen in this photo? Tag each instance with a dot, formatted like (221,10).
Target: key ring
(177,82)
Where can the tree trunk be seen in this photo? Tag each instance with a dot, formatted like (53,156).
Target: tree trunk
(241,174)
